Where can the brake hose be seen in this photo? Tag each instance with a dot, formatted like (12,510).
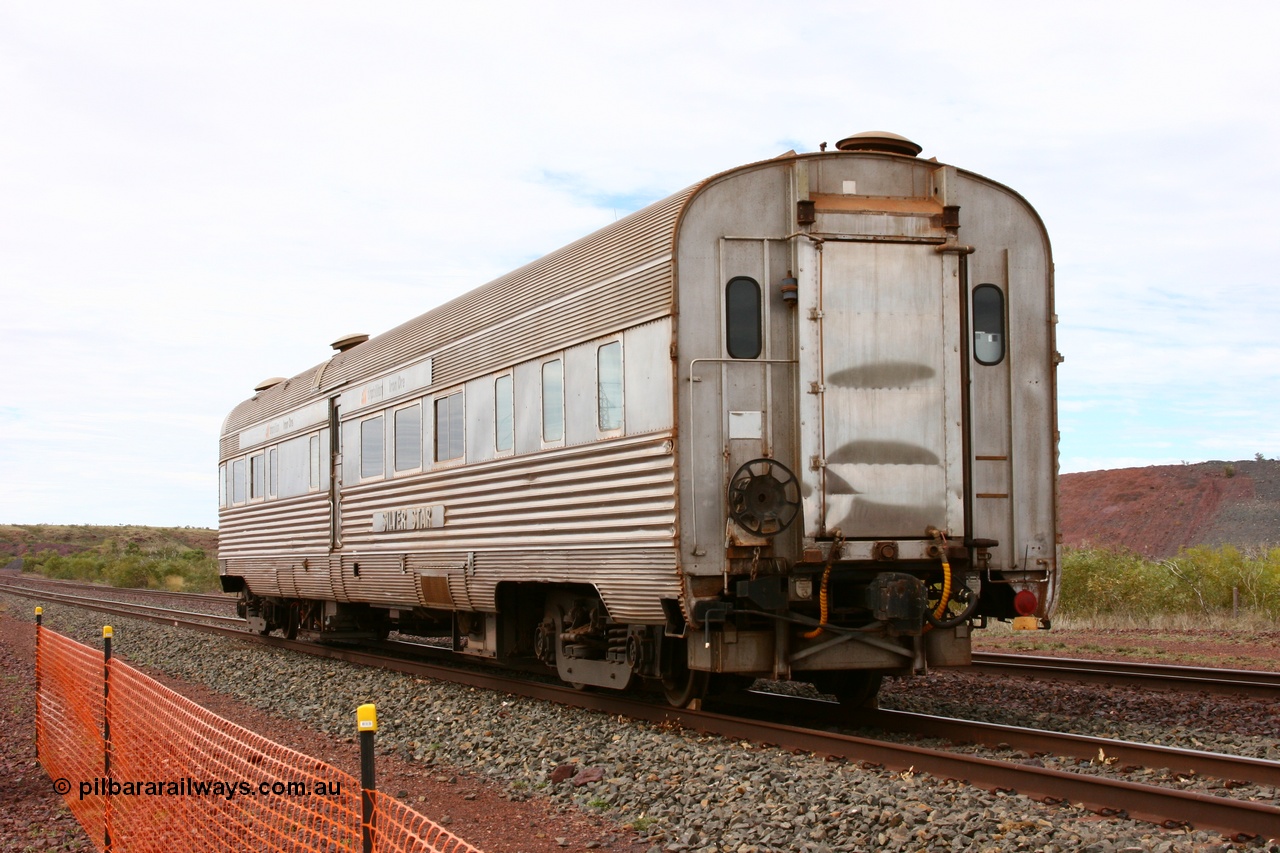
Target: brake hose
(946,576)
(934,617)
(836,545)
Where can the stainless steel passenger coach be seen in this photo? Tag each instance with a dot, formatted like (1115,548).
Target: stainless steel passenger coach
(797,421)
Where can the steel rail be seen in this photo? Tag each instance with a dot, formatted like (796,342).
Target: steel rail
(125,608)
(36,582)
(1264,685)
(1164,806)
(1185,762)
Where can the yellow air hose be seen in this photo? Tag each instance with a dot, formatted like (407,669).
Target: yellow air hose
(946,576)
(836,545)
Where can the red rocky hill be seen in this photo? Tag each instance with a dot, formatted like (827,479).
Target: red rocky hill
(1154,511)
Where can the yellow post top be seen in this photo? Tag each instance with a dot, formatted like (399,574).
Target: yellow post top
(39,610)
(367,718)
(107,632)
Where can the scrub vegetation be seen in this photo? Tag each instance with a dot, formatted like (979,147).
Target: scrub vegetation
(1101,584)
(126,556)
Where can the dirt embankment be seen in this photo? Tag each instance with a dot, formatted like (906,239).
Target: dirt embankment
(1157,510)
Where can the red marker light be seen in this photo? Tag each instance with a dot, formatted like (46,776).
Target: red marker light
(1025,603)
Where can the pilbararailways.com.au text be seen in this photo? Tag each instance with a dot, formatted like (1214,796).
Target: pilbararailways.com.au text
(189,787)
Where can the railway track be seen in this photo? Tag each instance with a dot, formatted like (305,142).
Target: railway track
(1106,751)
(43,583)
(1265,685)
(753,716)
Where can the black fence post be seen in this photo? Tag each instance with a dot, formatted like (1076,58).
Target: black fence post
(39,719)
(367,725)
(107,633)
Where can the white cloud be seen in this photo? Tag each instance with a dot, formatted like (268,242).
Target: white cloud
(196,196)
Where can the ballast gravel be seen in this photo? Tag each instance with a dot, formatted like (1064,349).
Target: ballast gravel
(684,791)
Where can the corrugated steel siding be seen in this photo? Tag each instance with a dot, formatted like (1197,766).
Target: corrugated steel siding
(286,396)
(280,547)
(619,276)
(624,489)
(630,580)
(560,515)
(601,513)
(294,525)
(641,296)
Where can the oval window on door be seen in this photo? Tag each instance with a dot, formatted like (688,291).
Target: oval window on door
(988,324)
(742,318)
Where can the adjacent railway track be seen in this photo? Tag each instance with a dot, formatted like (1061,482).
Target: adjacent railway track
(43,583)
(233,625)
(1265,685)
(1103,794)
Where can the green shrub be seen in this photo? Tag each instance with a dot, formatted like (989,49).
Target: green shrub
(1199,580)
(131,566)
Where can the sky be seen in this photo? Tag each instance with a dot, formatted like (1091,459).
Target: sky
(195,196)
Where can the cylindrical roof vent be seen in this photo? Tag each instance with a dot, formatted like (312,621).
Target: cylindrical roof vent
(881,141)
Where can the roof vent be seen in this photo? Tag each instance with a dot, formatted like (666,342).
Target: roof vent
(268,383)
(881,141)
(346,342)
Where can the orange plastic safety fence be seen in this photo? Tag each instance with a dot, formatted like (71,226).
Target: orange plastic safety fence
(194,781)
(398,827)
(69,722)
(183,778)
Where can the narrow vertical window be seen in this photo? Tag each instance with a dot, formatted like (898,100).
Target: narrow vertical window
(504,426)
(409,438)
(372,438)
(314,451)
(257,477)
(222,485)
(237,481)
(273,474)
(742,318)
(609,385)
(988,324)
(449,427)
(553,401)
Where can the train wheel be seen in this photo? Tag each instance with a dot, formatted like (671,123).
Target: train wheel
(855,688)
(680,684)
(683,689)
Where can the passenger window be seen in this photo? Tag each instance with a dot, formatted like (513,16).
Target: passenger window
(273,473)
(237,481)
(742,318)
(222,485)
(449,427)
(609,385)
(372,439)
(504,424)
(409,438)
(553,401)
(292,476)
(257,477)
(988,324)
